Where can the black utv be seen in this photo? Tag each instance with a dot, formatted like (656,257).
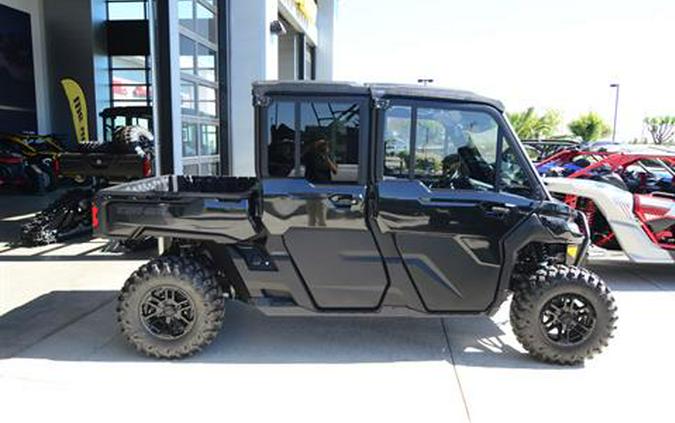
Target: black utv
(374,199)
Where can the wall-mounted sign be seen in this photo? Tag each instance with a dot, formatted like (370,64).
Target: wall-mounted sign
(308,9)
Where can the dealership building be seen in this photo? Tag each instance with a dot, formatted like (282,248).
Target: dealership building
(192,61)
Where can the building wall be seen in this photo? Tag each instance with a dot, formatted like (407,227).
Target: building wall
(254,55)
(325,23)
(42,99)
(288,68)
(74,37)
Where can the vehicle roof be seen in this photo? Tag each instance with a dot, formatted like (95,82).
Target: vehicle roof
(374,90)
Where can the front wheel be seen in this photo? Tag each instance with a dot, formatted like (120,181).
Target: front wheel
(563,314)
(171,307)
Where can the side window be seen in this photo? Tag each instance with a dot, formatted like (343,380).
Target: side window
(281,148)
(329,141)
(318,141)
(456,149)
(512,176)
(397,142)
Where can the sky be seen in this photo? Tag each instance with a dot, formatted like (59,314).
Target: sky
(547,54)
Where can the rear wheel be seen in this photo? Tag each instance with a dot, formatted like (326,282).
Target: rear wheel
(563,314)
(171,307)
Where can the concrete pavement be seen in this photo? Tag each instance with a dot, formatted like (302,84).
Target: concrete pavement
(62,358)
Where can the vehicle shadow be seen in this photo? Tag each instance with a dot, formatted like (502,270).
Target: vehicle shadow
(82,326)
(77,250)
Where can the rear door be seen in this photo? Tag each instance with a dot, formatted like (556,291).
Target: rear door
(314,198)
(439,198)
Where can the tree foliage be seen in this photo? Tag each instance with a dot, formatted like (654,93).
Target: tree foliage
(661,128)
(530,125)
(589,127)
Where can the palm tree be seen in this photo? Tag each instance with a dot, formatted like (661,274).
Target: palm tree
(589,127)
(530,125)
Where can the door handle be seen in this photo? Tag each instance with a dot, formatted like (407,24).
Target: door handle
(498,210)
(344,201)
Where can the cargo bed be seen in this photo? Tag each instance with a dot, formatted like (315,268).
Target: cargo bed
(217,208)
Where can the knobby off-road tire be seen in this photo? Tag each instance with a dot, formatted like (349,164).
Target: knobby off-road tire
(171,307)
(563,314)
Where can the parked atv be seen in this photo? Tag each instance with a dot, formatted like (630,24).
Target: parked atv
(460,222)
(631,208)
(37,157)
(17,174)
(66,218)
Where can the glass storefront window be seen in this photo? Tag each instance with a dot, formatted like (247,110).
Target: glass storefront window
(206,63)
(209,140)
(129,92)
(199,93)
(191,169)
(187,97)
(189,139)
(205,23)
(130,76)
(128,62)
(129,103)
(210,168)
(127,10)
(207,100)
(187,55)
(186,14)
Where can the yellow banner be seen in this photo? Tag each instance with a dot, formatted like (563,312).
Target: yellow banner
(78,108)
(308,8)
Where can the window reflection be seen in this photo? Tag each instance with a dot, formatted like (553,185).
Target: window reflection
(281,150)
(328,150)
(329,141)
(512,176)
(397,141)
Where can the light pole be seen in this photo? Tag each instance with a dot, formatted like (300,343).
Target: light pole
(616,109)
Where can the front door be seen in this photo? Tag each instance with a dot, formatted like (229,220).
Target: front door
(439,199)
(314,199)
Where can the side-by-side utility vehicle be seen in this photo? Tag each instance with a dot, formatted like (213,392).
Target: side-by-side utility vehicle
(376,199)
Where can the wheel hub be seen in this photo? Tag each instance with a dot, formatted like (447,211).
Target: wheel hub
(568,319)
(167,312)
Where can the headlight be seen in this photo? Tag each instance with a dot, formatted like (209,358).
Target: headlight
(572,252)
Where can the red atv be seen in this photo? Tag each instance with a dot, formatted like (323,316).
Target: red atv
(628,198)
